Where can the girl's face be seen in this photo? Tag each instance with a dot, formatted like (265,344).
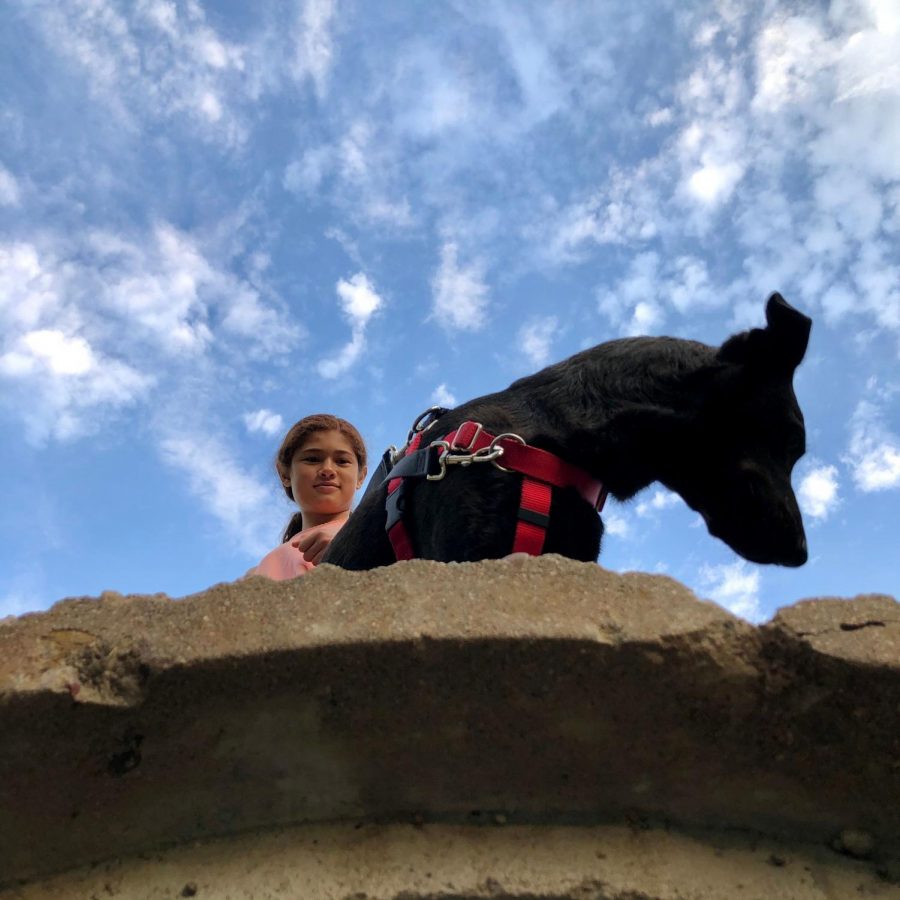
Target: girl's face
(325,475)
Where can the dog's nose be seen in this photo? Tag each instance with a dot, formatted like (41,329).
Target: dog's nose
(800,553)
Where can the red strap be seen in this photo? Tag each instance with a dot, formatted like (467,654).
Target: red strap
(401,541)
(398,535)
(532,461)
(534,514)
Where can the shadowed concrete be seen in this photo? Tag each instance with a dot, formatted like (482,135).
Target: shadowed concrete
(549,696)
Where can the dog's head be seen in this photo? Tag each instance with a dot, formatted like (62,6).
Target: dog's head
(747,433)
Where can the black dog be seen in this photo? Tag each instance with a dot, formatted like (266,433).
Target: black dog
(719,426)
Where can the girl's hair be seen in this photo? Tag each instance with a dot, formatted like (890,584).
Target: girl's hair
(295,438)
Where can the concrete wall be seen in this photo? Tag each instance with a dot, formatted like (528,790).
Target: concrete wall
(467,715)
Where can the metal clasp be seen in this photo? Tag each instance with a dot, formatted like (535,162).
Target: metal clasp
(442,460)
(490,454)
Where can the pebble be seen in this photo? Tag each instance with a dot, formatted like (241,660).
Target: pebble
(855,842)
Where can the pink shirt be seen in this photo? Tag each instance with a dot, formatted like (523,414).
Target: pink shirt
(284,562)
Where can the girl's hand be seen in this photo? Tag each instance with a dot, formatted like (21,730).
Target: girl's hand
(313,542)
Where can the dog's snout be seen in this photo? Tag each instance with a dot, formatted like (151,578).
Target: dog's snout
(800,554)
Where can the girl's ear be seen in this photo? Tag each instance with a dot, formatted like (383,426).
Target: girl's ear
(362,477)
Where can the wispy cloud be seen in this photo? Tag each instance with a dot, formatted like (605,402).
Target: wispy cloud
(59,380)
(62,385)
(441,396)
(616,524)
(358,172)
(265,421)
(873,452)
(153,58)
(90,323)
(9,188)
(313,42)
(734,586)
(359,302)
(641,301)
(241,503)
(535,339)
(661,500)
(459,293)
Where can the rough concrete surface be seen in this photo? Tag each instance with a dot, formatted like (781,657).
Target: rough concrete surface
(515,710)
(449,862)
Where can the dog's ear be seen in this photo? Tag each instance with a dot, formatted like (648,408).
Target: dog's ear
(781,345)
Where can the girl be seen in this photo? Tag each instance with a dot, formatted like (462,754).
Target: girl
(321,464)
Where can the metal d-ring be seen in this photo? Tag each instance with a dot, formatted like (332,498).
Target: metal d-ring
(495,445)
(418,425)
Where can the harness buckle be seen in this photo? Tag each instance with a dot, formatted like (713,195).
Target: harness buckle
(466,448)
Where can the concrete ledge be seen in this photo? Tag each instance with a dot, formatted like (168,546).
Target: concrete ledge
(548,692)
(444,862)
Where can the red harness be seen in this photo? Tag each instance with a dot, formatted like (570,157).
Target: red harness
(470,443)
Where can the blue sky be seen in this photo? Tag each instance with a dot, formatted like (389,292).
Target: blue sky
(218,217)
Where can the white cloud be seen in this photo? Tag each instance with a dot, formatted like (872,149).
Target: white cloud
(661,500)
(638,288)
(658,117)
(313,43)
(626,210)
(616,525)
(790,55)
(336,365)
(61,354)
(460,295)
(158,289)
(535,338)
(235,498)
(29,288)
(359,170)
(180,67)
(169,290)
(714,182)
(873,452)
(441,396)
(734,586)
(359,301)
(264,420)
(161,13)
(9,188)
(638,303)
(818,492)
(304,175)
(74,308)
(62,385)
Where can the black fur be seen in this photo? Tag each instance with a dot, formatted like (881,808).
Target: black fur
(719,426)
